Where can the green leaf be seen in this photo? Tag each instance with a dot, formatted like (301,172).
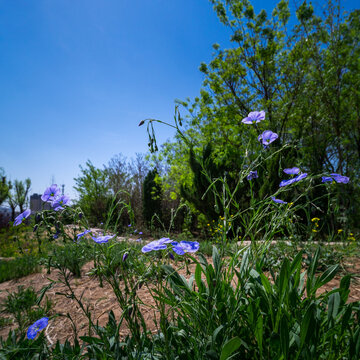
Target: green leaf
(284,336)
(231,346)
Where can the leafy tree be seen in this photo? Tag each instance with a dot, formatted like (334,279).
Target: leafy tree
(21,190)
(4,186)
(303,73)
(94,192)
(152,195)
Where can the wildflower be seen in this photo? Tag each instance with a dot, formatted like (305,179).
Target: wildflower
(252,175)
(125,256)
(56,235)
(60,202)
(19,219)
(156,245)
(339,231)
(171,256)
(102,239)
(267,137)
(315,219)
(36,327)
(51,193)
(140,233)
(293,180)
(82,234)
(292,171)
(336,177)
(313,230)
(278,200)
(254,117)
(129,225)
(185,246)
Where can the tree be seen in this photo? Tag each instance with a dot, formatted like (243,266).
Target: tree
(4,186)
(94,192)
(305,77)
(152,195)
(21,191)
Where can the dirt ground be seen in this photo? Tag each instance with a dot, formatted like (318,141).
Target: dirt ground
(102,299)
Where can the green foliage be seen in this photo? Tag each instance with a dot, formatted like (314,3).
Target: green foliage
(24,306)
(94,192)
(305,75)
(152,195)
(4,186)
(18,267)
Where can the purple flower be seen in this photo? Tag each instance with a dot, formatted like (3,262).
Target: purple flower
(293,180)
(185,246)
(36,327)
(60,202)
(292,171)
(267,137)
(278,200)
(129,225)
(140,233)
(102,239)
(19,219)
(51,193)
(82,234)
(56,235)
(156,245)
(287,182)
(254,117)
(125,256)
(252,175)
(336,177)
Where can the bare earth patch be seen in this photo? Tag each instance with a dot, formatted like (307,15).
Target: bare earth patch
(102,299)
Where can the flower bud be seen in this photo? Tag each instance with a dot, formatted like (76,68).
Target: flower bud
(125,256)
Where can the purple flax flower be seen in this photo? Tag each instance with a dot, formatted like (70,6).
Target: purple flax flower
(102,239)
(156,245)
(293,180)
(36,327)
(267,137)
(140,233)
(51,193)
(278,200)
(252,175)
(185,246)
(19,219)
(171,256)
(129,225)
(292,171)
(59,203)
(254,117)
(125,256)
(286,182)
(82,234)
(336,177)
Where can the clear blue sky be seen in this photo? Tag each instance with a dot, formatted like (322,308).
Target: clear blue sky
(78,76)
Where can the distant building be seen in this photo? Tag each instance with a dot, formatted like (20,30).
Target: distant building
(36,204)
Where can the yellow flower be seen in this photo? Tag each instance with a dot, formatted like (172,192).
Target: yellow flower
(339,231)
(351,238)
(291,204)
(313,230)
(208,224)
(351,234)
(315,219)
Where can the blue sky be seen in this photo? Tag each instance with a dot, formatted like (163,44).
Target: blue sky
(78,76)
